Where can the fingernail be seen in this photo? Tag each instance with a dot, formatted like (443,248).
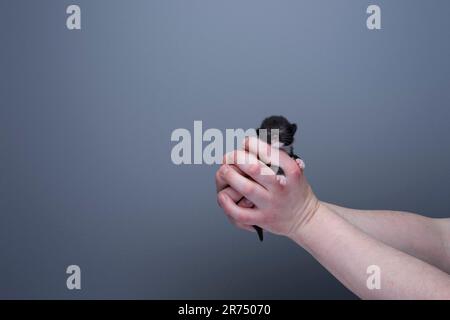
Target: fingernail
(223,198)
(220,199)
(255,169)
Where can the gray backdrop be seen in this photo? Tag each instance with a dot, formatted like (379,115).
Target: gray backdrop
(86,117)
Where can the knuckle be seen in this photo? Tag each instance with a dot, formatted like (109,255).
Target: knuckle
(227,211)
(251,139)
(224,158)
(252,143)
(235,157)
(225,172)
(295,171)
(249,189)
(243,218)
(239,157)
(228,158)
(220,201)
(253,169)
(218,177)
(276,182)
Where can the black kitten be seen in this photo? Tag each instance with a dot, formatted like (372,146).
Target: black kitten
(284,141)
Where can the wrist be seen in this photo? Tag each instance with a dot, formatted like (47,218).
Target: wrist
(309,224)
(303,215)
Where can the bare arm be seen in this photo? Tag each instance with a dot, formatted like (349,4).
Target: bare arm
(425,238)
(346,251)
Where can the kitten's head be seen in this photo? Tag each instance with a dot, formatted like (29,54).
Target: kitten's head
(286,130)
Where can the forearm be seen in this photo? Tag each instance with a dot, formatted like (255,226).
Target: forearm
(346,252)
(419,236)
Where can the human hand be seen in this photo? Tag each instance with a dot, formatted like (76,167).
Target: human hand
(280,209)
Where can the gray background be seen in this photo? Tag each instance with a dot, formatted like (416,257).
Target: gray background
(86,117)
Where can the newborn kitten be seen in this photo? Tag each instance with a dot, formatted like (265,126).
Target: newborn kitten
(282,141)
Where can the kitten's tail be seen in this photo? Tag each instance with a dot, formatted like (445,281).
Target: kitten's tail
(260,232)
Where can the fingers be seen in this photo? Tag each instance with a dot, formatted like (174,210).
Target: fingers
(240,225)
(272,156)
(244,226)
(241,202)
(254,168)
(248,188)
(260,149)
(245,203)
(300,163)
(235,196)
(243,216)
(220,181)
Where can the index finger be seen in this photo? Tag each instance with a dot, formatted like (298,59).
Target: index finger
(271,156)
(220,181)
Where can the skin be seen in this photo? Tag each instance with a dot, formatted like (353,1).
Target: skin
(410,250)
(422,237)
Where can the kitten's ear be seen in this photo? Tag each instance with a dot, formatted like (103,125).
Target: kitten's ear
(293,128)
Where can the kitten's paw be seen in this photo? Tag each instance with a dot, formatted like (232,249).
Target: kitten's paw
(300,163)
(281,179)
